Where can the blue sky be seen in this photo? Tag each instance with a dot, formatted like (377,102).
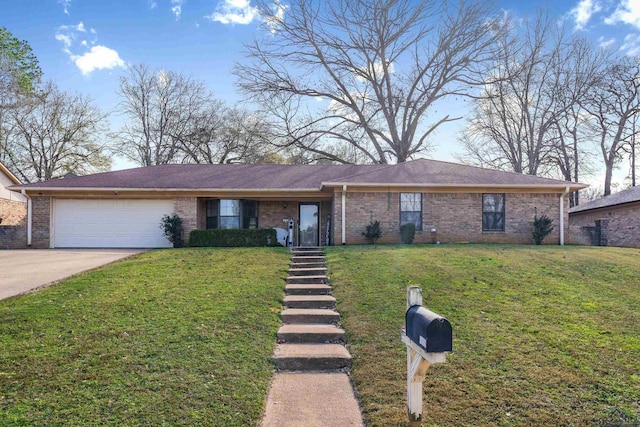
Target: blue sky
(84,45)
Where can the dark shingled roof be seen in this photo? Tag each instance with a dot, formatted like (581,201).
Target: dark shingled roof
(295,177)
(627,196)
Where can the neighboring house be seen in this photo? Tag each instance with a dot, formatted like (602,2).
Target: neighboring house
(13,212)
(613,220)
(13,206)
(329,203)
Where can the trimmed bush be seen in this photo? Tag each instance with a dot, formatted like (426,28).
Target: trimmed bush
(407,233)
(255,237)
(373,232)
(171,226)
(541,228)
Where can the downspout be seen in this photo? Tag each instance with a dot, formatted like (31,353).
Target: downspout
(29,211)
(562,196)
(344,214)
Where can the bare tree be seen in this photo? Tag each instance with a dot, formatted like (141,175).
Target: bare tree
(379,69)
(582,65)
(613,103)
(518,123)
(225,135)
(160,107)
(632,149)
(56,133)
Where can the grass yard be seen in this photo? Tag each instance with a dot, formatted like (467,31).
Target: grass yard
(543,336)
(169,337)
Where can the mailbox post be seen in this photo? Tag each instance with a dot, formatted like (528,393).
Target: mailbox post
(427,336)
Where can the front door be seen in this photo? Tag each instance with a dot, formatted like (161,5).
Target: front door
(308,223)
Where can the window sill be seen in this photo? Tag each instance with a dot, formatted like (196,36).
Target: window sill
(493,232)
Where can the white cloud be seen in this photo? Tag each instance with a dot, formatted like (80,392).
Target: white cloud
(65,5)
(583,11)
(234,12)
(177,8)
(631,45)
(627,12)
(98,58)
(153,5)
(604,44)
(375,69)
(276,18)
(65,39)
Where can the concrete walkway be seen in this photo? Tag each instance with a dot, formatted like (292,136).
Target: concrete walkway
(311,387)
(22,271)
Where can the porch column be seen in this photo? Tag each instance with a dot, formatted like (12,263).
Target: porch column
(344,214)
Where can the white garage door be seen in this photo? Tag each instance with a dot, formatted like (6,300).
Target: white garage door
(109,223)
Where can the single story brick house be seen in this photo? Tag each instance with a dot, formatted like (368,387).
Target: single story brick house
(613,220)
(13,212)
(330,204)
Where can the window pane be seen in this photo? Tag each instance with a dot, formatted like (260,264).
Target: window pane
(411,209)
(229,207)
(410,201)
(212,208)
(212,222)
(410,217)
(493,202)
(229,222)
(493,212)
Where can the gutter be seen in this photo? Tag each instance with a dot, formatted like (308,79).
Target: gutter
(562,196)
(424,185)
(29,216)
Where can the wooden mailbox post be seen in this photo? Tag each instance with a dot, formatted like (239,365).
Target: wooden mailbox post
(427,338)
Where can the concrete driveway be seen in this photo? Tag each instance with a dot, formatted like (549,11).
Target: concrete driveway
(22,271)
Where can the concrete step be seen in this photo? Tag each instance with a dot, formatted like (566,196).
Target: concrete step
(312,333)
(311,357)
(307,289)
(309,315)
(313,271)
(319,264)
(307,259)
(307,253)
(309,301)
(317,279)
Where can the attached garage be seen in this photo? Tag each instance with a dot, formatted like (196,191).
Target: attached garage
(110,223)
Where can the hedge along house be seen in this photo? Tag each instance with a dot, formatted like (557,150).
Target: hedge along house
(330,204)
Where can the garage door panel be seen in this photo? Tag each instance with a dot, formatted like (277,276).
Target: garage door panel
(85,223)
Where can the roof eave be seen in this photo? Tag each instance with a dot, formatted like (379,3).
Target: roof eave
(155,190)
(595,208)
(11,176)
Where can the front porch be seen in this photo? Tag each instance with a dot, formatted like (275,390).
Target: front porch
(311,216)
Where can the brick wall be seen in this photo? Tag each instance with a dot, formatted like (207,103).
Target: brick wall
(41,222)
(12,212)
(622,226)
(13,236)
(456,217)
(187,209)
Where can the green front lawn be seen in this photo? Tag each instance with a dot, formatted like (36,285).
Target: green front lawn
(170,337)
(542,335)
